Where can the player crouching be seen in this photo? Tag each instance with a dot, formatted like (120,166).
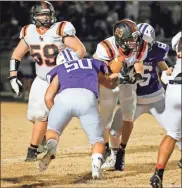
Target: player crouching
(79,78)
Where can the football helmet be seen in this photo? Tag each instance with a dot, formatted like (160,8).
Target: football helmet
(147,33)
(43,8)
(66,55)
(126,34)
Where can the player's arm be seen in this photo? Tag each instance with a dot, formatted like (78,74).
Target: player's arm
(164,67)
(108,81)
(16,57)
(74,43)
(68,33)
(51,92)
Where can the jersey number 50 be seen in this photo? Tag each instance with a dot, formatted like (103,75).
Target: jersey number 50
(46,55)
(74,65)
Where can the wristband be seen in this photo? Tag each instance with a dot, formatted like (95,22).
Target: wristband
(14,65)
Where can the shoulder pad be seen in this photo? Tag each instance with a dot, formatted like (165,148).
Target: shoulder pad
(66,29)
(105,50)
(23,32)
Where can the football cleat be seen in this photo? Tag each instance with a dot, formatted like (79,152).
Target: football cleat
(109,163)
(31,155)
(96,172)
(45,161)
(156,181)
(120,160)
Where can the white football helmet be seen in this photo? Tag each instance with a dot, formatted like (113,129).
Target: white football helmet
(66,55)
(147,31)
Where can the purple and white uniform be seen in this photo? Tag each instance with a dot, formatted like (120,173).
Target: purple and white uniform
(77,97)
(150,94)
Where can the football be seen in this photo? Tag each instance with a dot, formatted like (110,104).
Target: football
(116,64)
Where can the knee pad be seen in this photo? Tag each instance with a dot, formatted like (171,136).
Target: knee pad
(175,135)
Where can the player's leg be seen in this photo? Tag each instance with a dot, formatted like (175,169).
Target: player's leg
(108,101)
(115,134)
(115,141)
(170,119)
(128,102)
(58,119)
(37,113)
(92,124)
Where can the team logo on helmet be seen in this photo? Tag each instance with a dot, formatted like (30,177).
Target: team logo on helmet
(119,32)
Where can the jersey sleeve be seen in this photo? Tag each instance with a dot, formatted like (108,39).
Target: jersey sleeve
(66,29)
(162,52)
(103,52)
(100,66)
(50,75)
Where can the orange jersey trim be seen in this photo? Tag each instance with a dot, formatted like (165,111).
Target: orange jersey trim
(60,29)
(141,52)
(109,49)
(121,53)
(24,30)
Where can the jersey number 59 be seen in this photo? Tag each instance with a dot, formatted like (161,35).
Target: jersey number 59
(46,55)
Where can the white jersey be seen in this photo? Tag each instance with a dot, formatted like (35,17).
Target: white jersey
(107,50)
(45,47)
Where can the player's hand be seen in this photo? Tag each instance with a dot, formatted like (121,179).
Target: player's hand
(123,79)
(136,79)
(16,85)
(169,71)
(125,70)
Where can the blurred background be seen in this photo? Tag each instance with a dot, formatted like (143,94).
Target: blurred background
(93,21)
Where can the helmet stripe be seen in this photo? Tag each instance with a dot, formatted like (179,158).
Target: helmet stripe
(144,28)
(141,25)
(69,53)
(65,55)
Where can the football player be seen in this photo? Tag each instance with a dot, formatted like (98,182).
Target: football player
(150,93)
(151,99)
(173,122)
(44,38)
(79,78)
(124,42)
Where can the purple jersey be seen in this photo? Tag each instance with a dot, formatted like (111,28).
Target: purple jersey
(151,84)
(79,74)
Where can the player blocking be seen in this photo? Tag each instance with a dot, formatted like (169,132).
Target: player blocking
(79,78)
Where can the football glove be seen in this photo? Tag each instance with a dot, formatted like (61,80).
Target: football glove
(16,85)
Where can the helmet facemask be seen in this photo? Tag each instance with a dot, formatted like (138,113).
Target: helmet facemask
(43,17)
